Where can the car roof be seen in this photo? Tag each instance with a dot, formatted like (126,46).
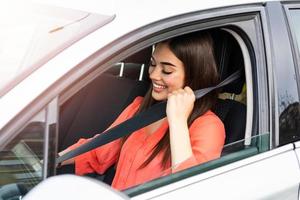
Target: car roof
(132,7)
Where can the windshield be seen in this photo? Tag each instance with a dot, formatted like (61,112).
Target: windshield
(31,34)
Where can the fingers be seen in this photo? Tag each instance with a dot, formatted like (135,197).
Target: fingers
(185,91)
(188,90)
(177,92)
(180,104)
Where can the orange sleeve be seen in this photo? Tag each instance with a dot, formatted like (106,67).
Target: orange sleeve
(207,134)
(101,158)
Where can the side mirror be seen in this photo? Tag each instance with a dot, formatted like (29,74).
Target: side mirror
(72,187)
(12,191)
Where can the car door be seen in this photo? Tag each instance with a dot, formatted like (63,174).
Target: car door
(271,170)
(261,165)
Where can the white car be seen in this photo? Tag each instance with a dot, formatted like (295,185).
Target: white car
(67,70)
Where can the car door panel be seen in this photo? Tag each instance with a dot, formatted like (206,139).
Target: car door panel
(257,177)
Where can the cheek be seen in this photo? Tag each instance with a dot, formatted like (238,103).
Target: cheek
(174,82)
(150,70)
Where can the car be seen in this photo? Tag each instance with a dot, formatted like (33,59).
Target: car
(68,70)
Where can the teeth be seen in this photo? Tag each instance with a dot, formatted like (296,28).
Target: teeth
(159,86)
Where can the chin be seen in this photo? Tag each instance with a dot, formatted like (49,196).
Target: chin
(159,97)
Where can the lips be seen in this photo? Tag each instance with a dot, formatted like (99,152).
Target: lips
(158,87)
(155,85)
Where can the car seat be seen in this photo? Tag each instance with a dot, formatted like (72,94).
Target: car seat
(98,104)
(230,59)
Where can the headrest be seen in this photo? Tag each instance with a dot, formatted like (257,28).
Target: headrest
(141,57)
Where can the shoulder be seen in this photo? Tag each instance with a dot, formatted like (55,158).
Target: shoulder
(209,122)
(137,101)
(133,106)
(129,111)
(208,118)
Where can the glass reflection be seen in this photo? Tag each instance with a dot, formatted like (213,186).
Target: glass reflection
(289,115)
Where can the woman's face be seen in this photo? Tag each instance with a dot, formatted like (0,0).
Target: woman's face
(166,72)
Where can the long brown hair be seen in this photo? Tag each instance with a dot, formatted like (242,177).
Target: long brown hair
(195,50)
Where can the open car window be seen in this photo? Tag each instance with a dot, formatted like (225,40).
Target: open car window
(232,51)
(82,113)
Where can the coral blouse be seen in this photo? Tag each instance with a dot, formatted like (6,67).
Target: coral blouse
(207,135)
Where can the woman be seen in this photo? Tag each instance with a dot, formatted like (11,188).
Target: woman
(191,133)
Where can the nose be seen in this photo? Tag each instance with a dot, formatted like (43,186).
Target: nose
(154,73)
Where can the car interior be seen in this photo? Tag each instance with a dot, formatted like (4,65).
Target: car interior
(94,107)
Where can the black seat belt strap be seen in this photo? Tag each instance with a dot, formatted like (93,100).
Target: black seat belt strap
(140,120)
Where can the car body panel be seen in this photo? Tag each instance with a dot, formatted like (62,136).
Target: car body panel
(261,176)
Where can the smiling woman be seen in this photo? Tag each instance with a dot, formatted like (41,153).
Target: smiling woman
(166,72)
(191,133)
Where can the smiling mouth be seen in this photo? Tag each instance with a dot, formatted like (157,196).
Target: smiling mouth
(157,86)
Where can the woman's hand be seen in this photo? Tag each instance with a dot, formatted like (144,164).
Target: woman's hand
(179,107)
(180,104)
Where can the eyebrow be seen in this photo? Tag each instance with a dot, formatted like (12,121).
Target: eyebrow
(164,63)
(167,63)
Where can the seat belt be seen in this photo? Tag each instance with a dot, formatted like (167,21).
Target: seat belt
(140,120)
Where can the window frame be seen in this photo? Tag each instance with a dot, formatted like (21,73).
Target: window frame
(162,35)
(279,52)
(210,19)
(150,34)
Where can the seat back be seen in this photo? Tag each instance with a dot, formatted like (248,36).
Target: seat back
(229,59)
(96,106)
(233,115)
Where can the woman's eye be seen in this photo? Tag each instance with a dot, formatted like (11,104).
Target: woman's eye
(166,72)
